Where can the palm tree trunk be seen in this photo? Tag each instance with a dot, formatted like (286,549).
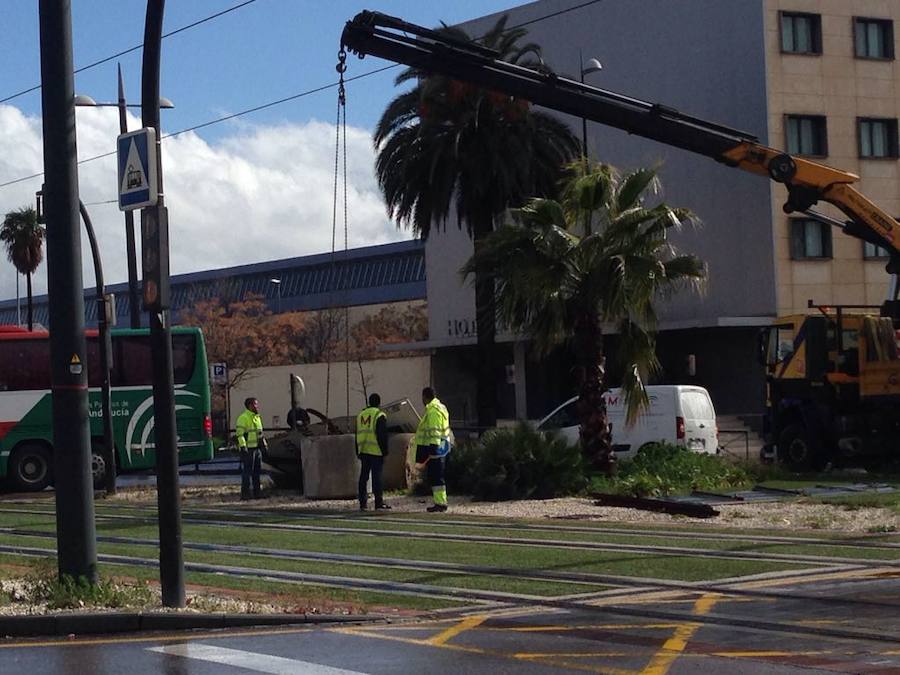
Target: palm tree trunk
(486,328)
(594,432)
(30,316)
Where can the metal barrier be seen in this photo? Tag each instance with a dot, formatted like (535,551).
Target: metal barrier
(728,446)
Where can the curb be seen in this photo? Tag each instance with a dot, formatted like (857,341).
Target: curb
(100,623)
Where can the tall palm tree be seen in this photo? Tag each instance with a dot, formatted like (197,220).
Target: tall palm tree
(23,237)
(597,256)
(447,145)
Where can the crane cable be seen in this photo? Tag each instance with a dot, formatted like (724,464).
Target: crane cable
(338,282)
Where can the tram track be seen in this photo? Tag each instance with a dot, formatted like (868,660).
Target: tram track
(494,598)
(800,559)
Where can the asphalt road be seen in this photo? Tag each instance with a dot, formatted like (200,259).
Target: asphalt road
(712,633)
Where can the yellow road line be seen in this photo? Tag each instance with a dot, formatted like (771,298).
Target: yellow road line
(466,624)
(675,645)
(602,626)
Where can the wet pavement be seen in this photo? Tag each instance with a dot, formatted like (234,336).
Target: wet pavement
(853,629)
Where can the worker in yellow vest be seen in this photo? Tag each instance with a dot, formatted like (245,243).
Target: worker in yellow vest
(433,443)
(251,442)
(371,448)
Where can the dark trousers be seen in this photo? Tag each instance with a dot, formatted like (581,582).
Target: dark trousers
(373,464)
(435,471)
(251,462)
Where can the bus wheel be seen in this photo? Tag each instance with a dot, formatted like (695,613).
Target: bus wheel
(98,467)
(797,449)
(31,467)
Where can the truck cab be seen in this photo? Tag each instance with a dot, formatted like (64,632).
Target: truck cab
(833,383)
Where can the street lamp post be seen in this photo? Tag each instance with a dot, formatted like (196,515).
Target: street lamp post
(277,283)
(592,66)
(134,301)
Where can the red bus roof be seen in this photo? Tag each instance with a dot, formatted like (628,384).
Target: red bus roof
(10,332)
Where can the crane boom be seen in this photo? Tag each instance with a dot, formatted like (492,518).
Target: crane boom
(807,182)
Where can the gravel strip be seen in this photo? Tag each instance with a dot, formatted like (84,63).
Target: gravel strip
(789,515)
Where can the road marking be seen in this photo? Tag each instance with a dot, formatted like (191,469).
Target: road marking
(260,663)
(466,624)
(675,645)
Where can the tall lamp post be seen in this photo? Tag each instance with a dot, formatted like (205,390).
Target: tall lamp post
(134,298)
(277,283)
(592,66)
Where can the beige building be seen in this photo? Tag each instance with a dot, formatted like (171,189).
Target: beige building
(816,78)
(833,95)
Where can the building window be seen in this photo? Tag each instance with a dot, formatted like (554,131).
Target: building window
(877,138)
(810,239)
(801,33)
(874,38)
(873,251)
(806,135)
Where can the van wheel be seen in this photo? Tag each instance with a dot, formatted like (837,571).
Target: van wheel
(30,467)
(798,450)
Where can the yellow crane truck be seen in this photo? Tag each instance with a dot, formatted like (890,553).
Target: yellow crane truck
(833,374)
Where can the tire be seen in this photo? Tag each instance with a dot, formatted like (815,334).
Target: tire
(98,466)
(30,467)
(798,450)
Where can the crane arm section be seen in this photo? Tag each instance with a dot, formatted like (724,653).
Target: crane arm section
(807,182)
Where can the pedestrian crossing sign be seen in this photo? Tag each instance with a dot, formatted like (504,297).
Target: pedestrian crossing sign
(138,186)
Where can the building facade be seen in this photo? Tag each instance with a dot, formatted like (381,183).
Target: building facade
(814,77)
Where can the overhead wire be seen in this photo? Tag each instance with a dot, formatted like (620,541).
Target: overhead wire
(136,48)
(280,101)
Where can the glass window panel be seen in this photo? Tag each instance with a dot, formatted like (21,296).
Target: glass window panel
(865,139)
(787,33)
(813,240)
(807,145)
(793,140)
(875,45)
(860,39)
(803,34)
(879,139)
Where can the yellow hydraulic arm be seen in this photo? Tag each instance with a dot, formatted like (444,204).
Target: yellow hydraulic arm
(807,182)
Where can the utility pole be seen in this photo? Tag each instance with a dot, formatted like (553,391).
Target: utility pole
(75,530)
(155,249)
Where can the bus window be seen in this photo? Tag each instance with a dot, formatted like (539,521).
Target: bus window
(184,354)
(133,361)
(24,365)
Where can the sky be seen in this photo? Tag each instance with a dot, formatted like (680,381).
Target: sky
(256,187)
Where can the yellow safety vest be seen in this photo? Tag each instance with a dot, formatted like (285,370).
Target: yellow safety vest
(249,430)
(434,425)
(366,440)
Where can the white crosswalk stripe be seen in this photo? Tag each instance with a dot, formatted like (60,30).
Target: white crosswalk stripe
(260,663)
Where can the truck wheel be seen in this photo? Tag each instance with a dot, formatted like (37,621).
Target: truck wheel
(30,467)
(797,449)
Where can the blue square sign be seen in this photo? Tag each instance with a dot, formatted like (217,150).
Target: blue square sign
(138,186)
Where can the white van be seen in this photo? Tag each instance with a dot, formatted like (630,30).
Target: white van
(679,414)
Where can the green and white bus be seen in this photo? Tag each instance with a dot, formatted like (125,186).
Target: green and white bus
(26,433)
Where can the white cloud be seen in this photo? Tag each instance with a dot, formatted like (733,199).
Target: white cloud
(260,193)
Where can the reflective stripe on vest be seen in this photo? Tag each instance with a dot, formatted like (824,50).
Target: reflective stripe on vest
(366,440)
(434,425)
(248,429)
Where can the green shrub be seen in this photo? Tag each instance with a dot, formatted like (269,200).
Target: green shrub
(44,586)
(517,463)
(663,469)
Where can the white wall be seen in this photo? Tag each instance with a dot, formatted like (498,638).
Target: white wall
(392,379)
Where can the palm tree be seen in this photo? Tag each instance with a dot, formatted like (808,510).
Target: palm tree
(23,236)
(597,256)
(447,145)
